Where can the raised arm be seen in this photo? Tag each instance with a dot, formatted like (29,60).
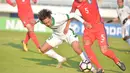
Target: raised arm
(73,15)
(86,24)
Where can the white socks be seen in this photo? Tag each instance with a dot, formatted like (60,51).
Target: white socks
(53,54)
(84,56)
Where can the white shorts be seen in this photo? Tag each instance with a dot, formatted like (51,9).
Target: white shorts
(55,40)
(126,29)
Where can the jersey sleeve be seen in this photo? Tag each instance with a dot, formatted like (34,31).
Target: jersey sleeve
(128,9)
(73,15)
(59,19)
(9,2)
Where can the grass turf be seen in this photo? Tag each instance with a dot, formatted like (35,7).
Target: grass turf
(14,60)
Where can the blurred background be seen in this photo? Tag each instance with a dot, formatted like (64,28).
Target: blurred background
(107,8)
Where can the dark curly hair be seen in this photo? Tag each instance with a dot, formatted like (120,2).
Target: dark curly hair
(43,14)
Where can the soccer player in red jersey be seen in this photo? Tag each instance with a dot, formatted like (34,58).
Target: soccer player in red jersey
(90,13)
(26,15)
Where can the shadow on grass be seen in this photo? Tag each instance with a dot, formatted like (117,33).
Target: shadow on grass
(18,46)
(113,71)
(70,64)
(42,61)
(53,62)
(120,50)
(14,45)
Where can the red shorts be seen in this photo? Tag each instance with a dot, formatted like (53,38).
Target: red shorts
(26,19)
(100,35)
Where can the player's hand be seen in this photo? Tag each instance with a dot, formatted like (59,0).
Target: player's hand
(32,22)
(66,30)
(34,1)
(87,25)
(13,4)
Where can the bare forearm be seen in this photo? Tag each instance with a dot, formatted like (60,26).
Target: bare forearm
(73,15)
(68,23)
(9,2)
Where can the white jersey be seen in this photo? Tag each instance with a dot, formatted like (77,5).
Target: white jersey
(123,13)
(59,22)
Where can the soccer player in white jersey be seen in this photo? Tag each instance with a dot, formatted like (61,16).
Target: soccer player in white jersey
(124,16)
(57,22)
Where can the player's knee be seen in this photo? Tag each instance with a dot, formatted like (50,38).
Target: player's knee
(87,42)
(104,49)
(29,27)
(42,49)
(32,22)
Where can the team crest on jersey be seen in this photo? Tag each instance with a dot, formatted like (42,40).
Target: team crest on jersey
(89,1)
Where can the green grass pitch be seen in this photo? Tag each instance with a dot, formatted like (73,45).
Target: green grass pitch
(14,60)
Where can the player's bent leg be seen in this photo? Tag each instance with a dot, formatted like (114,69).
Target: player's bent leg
(59,65)
(32,35)
(90,53)
(27,38)
(77,49)
(47,49)
(109,53)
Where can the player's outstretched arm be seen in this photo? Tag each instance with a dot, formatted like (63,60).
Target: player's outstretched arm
(86,24)
(11,3)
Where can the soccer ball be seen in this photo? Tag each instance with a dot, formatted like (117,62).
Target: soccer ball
(85,66)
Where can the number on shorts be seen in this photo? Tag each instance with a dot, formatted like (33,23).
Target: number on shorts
(102,38)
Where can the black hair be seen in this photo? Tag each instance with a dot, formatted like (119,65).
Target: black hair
(43,14)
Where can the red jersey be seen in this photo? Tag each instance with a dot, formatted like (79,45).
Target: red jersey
(89,11)
(24,6)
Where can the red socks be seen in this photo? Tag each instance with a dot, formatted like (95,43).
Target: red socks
(92,56)
(111,55)
(34,38)
(27,38)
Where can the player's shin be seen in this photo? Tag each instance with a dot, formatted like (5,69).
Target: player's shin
(84,56)
(92,56)
(27,38)
(34,38)
(109,53)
